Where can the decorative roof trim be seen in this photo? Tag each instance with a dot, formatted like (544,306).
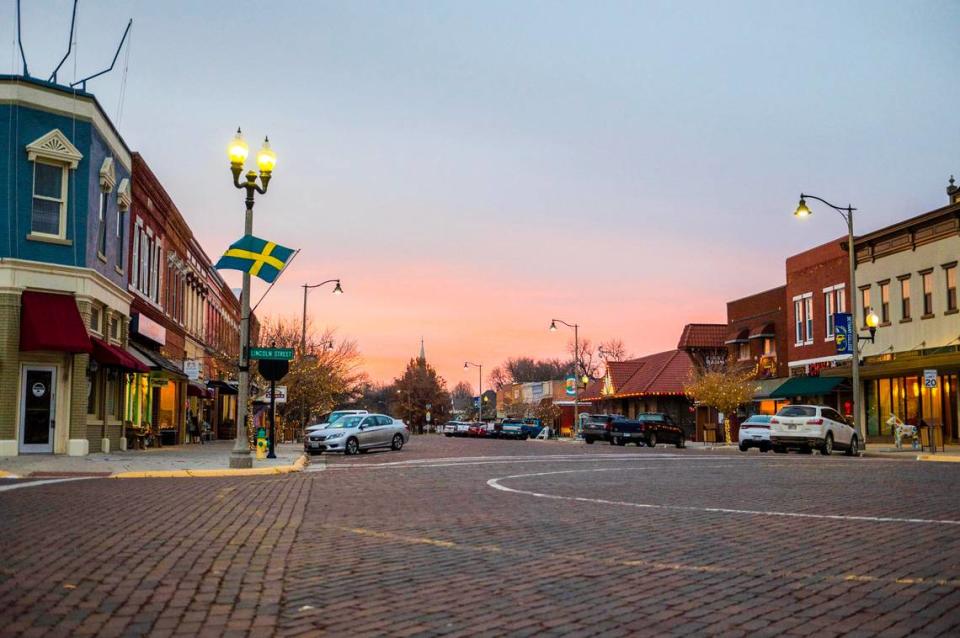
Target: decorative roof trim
(108,175)
(56,147)
(124,198)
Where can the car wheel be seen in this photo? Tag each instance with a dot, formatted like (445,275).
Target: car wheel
(854,449)
(397,442)
(652,440)
(744,447)
(827,448)
(352,446)
(681,442)
(588,441)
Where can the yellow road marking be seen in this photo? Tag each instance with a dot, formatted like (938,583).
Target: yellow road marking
(654,565)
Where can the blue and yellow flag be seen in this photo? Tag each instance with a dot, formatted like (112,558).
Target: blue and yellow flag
(259,257)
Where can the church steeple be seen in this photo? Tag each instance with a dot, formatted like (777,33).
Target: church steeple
(423,354)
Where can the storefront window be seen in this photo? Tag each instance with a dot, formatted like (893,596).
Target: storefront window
(870,400)
(167,414)
(885,407)
(92,392)
(932,410)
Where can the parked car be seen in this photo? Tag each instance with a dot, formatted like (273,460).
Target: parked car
(333,416)
(598,427)
(755,432)
(812,427)
(511,429)
(477,430)
(455,428)
(356,433)
(649,428)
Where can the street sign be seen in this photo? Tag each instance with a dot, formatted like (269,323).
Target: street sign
(193,368)
(930,378)
(280,393)
(280,354)
(273,369)
(845,337)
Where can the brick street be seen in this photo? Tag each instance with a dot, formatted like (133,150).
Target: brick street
(476,537)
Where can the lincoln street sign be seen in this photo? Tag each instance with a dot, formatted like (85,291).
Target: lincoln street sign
(282,354)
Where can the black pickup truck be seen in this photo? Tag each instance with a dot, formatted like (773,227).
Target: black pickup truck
(649,428)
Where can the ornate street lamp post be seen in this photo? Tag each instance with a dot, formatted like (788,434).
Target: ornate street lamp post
(871,320)
(466,365)
(266,161)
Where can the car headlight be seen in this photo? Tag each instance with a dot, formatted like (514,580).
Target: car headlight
(335,435)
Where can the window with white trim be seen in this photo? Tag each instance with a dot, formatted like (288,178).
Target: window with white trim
(798,320)
(53,156)
(102,225)
(829,299)
(49,213)
(808,315)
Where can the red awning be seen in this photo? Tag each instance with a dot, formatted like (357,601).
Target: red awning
(109,355)
(50,321)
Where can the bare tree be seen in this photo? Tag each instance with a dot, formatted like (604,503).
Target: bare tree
(590,363)
(613,350)
(462,396)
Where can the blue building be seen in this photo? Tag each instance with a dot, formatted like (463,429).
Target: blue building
(64,243)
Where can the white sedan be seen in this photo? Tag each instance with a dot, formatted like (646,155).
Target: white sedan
(755,432)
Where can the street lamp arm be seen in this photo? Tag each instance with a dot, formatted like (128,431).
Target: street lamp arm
(569,325)
(845,211)
(322,283)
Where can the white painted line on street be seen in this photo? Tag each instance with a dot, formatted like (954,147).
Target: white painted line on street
(495,483)
(29,483)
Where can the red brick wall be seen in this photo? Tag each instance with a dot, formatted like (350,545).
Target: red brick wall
(812,271)
(756,311)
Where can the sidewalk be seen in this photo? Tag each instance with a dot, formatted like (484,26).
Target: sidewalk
(210,459)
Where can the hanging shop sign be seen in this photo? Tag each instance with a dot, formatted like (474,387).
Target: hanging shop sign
(193,368)
(146,327)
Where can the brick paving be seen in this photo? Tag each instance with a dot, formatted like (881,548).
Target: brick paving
(418,544)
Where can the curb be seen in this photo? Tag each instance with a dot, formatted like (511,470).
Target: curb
(4,474)
(297,466)
(939,458)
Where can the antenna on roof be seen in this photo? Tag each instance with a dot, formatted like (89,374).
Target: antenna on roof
(73,20)
(83,82)
(20,42)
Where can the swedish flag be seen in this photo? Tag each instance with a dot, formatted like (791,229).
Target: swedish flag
(259,257)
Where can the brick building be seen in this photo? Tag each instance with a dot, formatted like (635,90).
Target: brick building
(64,304)
(757,332)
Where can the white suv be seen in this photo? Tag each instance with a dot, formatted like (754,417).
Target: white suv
(810,427)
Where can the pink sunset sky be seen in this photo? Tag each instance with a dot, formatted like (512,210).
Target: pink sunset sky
(471,170)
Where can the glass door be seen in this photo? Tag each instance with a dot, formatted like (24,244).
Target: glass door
(37,409)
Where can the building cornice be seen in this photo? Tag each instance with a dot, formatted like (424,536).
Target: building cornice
(86,283)
(20,91)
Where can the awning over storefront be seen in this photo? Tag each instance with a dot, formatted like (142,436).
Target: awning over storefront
(806,387)
(50,321)
(738,336)
(763,388)
(766,331)
(196,389)
(110,355)
(158,362)
(225,387)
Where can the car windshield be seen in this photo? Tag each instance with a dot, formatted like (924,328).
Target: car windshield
(797,410)
(351,421)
